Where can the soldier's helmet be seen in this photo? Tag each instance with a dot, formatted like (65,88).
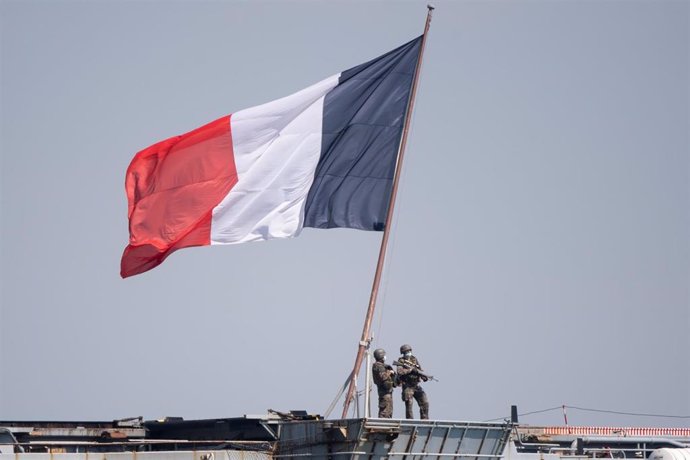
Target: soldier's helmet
(379,353)
(405,348)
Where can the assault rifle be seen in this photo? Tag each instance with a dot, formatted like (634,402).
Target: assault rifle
(417,370)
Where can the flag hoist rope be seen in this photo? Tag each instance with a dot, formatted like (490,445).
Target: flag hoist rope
(366,331)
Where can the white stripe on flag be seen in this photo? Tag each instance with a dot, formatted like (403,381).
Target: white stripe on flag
(277,146)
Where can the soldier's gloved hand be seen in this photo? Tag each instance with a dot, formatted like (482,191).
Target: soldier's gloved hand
(425,378)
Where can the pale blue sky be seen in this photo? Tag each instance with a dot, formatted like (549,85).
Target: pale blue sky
(541,250)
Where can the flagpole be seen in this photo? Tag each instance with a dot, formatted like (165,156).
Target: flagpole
(366,330)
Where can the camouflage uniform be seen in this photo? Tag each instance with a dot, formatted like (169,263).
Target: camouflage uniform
(411,389)
(383,378)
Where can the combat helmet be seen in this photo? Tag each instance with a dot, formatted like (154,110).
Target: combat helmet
(379,354)
(405,348)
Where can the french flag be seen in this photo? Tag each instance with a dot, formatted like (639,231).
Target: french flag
(323,157)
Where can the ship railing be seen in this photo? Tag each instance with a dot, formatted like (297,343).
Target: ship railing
(147,445)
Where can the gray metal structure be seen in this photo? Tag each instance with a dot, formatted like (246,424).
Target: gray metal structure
(297,434)
(392,439)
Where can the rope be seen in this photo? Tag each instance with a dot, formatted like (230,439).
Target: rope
(337,397)
(525,414)
(628,413)
(634,414)
(393,239)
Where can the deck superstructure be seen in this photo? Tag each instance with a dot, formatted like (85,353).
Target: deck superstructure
(298,434)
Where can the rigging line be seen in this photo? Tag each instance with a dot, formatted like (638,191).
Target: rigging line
(337,397)
(389,263)
(628,413)
(382,304)
(394,234)
(526,413)
(540,411)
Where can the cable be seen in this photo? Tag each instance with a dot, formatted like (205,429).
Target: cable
(628,413)
(337,397)
(387,267)
(526,413)
(634,414)
(540,411)
(394,234)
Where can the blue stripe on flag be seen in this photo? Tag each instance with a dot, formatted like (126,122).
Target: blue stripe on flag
(363,119)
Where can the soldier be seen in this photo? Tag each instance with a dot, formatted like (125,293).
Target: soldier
(409,371)
(385,382)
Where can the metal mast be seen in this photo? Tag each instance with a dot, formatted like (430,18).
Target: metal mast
(366,330)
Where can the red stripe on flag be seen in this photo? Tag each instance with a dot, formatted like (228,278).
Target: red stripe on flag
(172,188)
